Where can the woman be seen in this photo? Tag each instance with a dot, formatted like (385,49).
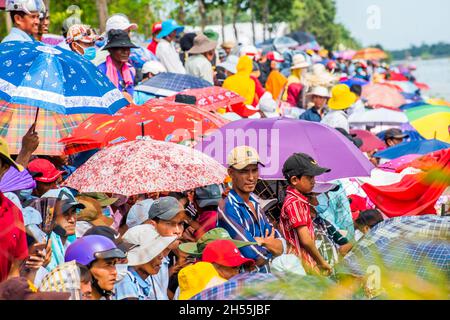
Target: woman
(116,66)
(81,39)
(241,82)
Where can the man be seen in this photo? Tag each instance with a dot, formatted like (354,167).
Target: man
(165,51)
(156,28)
(45,174)
(319,96)
(394,136)
(227,46)
(25,18)
(81,39)
(240,213)
(201,54)
(44,23)
(341,99)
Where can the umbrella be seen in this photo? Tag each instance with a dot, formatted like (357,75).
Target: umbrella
(159,119)
(370,54)
(14,180)
(353,81)
(212,98)
(422,86)
(432,122)
(418,244)
(145,166)
(15,120)
(370,141)
(438,102)
(382,95)
(55,79)
(53,39)
(167,84)
(413,105)
(346,54)
(378,116)
(140,55)
(399,162)
(277,139)
(405,86)
(412,147)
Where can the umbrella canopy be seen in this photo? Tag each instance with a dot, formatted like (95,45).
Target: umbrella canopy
(212,98)
(422,86)
(158,119)
(370,54)
(145,166)
(393,165)
(378,116)
(52,39)
(167,84)
(15,120)
(382,95)
(405,86)
(55,79)
(353,81)
(346,54)
(13,180)
(370,141)
(432,122)
(412,147)
(438,102)
(277,139)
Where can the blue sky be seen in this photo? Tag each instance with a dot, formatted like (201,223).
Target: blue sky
(396,24)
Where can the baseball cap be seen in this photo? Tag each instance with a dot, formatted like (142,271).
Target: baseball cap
(120,22)
(301,164)
(4,153)
(46,170)
(225,253)
(242,156)
(208,196)
(112,235)
(157,27)
(196,248)
(394,133)
(165,208)
(138,213)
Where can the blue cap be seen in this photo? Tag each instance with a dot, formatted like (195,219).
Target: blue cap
(168,27)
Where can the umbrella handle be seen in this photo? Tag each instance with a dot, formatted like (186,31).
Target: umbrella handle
(35,120)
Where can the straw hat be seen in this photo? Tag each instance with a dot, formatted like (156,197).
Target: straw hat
(202,44)
(341,97)
(320,91)
(228,45)
(299,62)
(320,77)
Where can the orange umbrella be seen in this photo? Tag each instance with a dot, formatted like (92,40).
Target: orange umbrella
(370,54)
(382,95)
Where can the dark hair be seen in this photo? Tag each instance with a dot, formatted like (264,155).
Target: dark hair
(14,13)
(356,89)
(85,274)
(369,218)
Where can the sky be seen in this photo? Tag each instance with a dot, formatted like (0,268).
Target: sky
(396,24)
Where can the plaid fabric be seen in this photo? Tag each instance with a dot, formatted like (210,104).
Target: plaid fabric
(15,120)
(171,82)
(328,240)
(64,278)
(419,244)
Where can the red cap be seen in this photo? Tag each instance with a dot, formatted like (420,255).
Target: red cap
(275,56)
(225,253)
(357,205)
(157,27)
(48,171)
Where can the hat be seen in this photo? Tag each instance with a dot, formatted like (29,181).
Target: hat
(120,22)
(20,288)
(211,34)
(208,196)
(228,45)
(149,244)
(275,56)
(169,26)
(341,97)
(230,64)
(196,248)
(250,51)
(195,278)
(67,199)
(242,156)
(225,253)
(47,170)
(92,212)
(299,62)
(394,133)
(202,44)
(187,41)
(154,67)
(4,153)
(157,26)
(101,197)
(138,213)
(83,33)
(320,91)
(112,235)
(165,208)
(118,39)
(301,164)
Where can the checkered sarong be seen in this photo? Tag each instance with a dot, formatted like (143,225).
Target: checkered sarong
(64,278)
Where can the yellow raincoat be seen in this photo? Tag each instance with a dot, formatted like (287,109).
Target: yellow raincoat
(241,83)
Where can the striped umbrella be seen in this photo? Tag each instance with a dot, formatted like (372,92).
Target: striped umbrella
(432,122)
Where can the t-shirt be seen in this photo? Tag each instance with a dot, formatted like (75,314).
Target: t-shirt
(133,286)
(13,239)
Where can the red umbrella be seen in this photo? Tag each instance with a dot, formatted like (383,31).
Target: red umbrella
(422,86)
(394,76)
(383,96)
(212,98)
(158,119)
(370,141)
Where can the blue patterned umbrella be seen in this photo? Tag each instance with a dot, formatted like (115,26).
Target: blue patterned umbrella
(167,84)
(35,74)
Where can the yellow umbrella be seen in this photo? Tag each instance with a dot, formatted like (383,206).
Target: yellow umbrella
(432,122)
(438,102)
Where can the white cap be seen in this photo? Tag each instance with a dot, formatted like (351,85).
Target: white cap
(26,6)
(320,91)
(153,67)
(139,213)
(120,22)
(250,51)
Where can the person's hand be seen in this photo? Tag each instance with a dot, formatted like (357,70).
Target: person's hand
(188,234)
(325,268)
(48,253)
(37,257)
(30,141)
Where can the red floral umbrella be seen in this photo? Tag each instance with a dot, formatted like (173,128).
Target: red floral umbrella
(370,141)
(383,96)
(158,119)
(145,166)
(212,98)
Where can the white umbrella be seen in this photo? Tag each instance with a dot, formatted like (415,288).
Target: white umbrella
(378,116)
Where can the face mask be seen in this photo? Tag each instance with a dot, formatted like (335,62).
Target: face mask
(122,270)
(25,193)
(90,53)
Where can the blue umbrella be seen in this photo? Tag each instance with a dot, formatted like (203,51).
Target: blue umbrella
(167,84)
(412,105)
(353,81)
(55,79)
(406,129)
(412,147)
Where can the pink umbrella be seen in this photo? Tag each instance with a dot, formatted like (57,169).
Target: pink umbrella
(145,166)
(370,141)
(381,95)
(396,163)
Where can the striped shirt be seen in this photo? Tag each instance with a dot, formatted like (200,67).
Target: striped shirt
(296,213)
(235,216)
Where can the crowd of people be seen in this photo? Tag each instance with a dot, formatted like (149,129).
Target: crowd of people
(58,243)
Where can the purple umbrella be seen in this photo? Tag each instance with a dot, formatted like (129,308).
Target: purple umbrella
(14,180)
(277,139)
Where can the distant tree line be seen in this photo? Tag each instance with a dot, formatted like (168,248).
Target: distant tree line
(425,51)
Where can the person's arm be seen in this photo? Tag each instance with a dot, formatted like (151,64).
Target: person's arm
(274,245)
(308,244)
(30,142)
